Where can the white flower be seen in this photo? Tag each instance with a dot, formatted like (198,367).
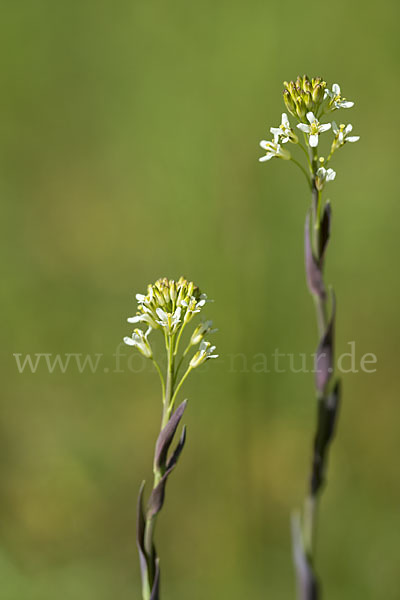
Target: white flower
(139,339)
(336,99)
(284,131)
(143,318)
(273,150)
(193,306)
(342,132)
(169,321)
(203,354)
(324,175)
(200,331)
(313,129)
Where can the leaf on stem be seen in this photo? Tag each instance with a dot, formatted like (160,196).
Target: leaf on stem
(155,592)
(157,496)
(325,231)
(313,268)
(176,453)
(140,527)
(324,355)
(328,410)
(307,584)
(166,436)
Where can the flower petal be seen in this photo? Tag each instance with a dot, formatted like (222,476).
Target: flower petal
(135,319)
(310,117)
(304,127)
(129,341)
(285,120)
(353,138)
(314,140)
(336,89)
(324,127)
(266,157)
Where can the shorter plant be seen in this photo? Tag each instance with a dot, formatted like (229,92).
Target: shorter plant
(168,306)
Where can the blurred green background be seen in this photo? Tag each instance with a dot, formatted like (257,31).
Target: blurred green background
(129,150)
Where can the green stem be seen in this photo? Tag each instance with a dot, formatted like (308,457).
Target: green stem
(309,525)
(157,366)
(302,169)
(306,153)
(178,387)
(179,339)
(311,503)
(320,302)
(168,393)
(182,358)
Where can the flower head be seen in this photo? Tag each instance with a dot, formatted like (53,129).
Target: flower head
(274,150)
(169,321)
(341,132)
(201,330)
(204,353)
(313,129)
(323,176)
(284,131)
(140,341)
(168,304)
(304,95)
(335,98)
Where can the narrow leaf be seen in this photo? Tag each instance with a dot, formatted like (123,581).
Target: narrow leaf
(166,436)
(177,452)
(325,354)
(155,592)
(140,526)
(325,231)
(313,269)
(328,410)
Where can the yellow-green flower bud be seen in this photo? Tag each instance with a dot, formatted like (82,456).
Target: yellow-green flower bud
(289,103)
(301,109)
(201,330)
(318,94)
(308,101)
(172,291)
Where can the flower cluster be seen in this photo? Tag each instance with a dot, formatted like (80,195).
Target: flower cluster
(310,101)
(170,305)
(304,95)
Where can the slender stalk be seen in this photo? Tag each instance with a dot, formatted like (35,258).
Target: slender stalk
(178,387)
(169,305)
(312,500)
(151,521)
(296,162)
(157,366)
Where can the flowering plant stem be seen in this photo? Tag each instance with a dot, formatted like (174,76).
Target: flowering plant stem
(309,101)
(168,306)
(304,526)
(158,472)
(151,520)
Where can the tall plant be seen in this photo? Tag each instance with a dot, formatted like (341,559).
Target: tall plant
(312,103)
(168,306)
